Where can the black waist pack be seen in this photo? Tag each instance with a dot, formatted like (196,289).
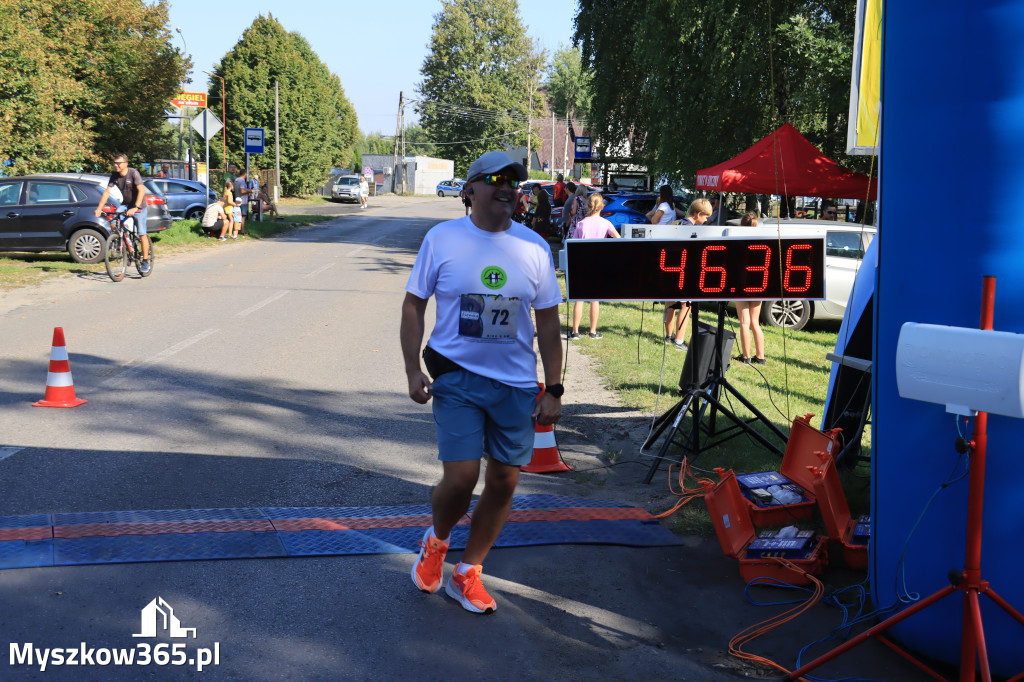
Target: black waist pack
(437,364)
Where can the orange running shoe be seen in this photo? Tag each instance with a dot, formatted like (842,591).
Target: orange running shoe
(426,572)
(469,591)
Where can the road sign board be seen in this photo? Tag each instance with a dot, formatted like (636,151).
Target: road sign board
(583,148)
(367,171)
(206,124)
(254,140)
(189,99)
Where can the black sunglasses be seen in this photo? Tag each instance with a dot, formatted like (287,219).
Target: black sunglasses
(498,179)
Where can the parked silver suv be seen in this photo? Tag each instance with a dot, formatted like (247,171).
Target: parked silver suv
(346,188)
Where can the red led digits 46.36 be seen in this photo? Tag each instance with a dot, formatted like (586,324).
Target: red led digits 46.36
(724,268)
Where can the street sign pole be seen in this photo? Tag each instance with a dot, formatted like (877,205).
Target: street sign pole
(209,125)
(207,159)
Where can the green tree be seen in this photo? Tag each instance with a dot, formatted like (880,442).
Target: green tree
(318,124)
(476,79)
(568,84)
(689,83)
(81,80)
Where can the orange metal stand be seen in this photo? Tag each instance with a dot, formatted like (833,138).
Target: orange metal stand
(973,652)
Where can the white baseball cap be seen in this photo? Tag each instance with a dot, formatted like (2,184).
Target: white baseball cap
(492,162)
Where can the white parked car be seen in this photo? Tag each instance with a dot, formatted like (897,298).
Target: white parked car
(450,188)
(845,244)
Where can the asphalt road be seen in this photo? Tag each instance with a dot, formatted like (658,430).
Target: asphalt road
(268,373)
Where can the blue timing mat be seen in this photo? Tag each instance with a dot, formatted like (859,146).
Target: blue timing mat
(244,533)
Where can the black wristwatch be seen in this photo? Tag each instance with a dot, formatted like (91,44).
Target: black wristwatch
(555,390)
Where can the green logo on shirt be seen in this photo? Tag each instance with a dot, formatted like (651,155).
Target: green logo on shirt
(493,277)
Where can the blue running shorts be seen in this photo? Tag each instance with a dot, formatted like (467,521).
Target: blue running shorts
(474,415)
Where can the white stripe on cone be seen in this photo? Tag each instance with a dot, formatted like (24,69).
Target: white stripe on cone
(59,353)
(59,379)
(544,439)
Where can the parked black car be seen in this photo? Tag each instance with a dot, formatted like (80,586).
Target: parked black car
(158,217)
(52,214)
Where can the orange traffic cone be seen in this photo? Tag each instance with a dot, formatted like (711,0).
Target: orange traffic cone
(546,459)
(60,388)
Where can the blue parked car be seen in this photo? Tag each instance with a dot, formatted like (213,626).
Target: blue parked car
(630,207)
(184,197)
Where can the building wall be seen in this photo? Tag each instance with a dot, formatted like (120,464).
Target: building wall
(424,172)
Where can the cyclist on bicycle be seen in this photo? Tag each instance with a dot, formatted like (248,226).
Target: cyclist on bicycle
(128,182)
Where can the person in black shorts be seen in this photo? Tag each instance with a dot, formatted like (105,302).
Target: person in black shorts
(128,181)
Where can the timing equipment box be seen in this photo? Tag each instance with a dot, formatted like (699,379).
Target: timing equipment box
(670,231)
(795,475)
(852,534)
(760,557)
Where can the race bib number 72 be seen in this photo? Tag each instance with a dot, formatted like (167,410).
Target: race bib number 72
(482,316)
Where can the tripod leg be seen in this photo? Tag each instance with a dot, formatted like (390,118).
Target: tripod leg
(1004,605)
(868,634)
(662,423)
(972,646)
(756,412)
(744,425)
(682,405)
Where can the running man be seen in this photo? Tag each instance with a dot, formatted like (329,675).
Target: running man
(485,272)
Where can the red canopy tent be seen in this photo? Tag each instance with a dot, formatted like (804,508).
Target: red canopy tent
(785,163)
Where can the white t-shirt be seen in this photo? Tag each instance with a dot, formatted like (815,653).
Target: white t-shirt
(484,284)
(212,213)
(668,214)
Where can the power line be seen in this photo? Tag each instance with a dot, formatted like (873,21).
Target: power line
(488,115)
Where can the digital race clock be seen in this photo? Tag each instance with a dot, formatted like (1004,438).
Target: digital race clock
(718,269)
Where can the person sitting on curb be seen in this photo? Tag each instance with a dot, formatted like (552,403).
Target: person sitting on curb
(591,227)
(215,219)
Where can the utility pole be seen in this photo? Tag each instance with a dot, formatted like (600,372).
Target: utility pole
(529,131)
(277,143)
(224,123)
(405,166)
(398,131)
(552,144)
(565,147)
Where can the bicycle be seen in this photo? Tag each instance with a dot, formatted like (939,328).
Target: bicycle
(123,245)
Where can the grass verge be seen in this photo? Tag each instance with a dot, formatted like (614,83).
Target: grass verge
(29,269)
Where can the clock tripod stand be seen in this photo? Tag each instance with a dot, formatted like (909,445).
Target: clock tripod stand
(703,384)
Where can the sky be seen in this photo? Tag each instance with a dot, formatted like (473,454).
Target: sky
(376,48)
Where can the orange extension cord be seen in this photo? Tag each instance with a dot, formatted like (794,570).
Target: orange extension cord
(685,494)
(755,631)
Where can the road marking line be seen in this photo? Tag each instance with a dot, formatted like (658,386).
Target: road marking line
(116,380)
(319,270)
(376,241)
(265,302)
(7,452)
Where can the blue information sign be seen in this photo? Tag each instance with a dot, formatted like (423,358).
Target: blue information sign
(254,140)
(583,148)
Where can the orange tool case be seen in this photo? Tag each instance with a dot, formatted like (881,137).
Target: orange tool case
(852,534)
(730,514)
(795,474)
